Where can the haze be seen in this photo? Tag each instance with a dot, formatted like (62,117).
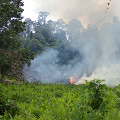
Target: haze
(87,11)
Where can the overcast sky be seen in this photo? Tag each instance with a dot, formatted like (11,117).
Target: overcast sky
(87,11)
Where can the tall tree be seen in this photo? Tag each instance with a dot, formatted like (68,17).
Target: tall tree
(42,17)
(29,26)
(10,26)
(10,23)
(73,31)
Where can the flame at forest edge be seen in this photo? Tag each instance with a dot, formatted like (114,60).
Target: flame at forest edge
(73,80)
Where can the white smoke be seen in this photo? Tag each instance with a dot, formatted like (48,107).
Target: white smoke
(103,54)
(110,73)
(44,68)
(101,58)
(87,11)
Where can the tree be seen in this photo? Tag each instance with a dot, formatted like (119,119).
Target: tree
(35,46)
(38,35)
(60,25)
(47,32)
(29,27)
(31,35)
(10,26)
(42,17)
(74,27)
(10,23)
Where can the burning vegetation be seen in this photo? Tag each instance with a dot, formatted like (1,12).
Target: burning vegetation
(73,80)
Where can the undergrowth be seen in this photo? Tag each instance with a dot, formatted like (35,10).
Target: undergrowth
(28,101)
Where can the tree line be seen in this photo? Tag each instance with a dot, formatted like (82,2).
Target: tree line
(26,39)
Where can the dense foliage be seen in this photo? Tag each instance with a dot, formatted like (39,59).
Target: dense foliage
(10,23)
(10,26)
(59,101)
(12,62)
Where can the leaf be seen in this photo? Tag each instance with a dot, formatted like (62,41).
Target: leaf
(103,107)
(100,100)
(96,95)
(1,116)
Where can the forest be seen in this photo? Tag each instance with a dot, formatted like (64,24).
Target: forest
(69,49)
(39,60)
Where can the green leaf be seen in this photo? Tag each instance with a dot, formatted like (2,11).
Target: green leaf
(100,100)
(1,117)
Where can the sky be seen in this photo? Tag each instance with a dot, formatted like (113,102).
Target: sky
(87,11)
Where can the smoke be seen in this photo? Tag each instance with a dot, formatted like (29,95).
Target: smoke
(110,73)
(97,56)
(46,68)
(102,54)
(87,11)
(43,68)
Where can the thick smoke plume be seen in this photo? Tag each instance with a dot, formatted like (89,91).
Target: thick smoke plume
(100,51)
(45,68)
(110,73)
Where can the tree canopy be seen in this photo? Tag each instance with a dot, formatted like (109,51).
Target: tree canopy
(11,26)
(10,23)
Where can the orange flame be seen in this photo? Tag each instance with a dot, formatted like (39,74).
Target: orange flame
(73,80)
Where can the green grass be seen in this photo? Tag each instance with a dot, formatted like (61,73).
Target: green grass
(57,101)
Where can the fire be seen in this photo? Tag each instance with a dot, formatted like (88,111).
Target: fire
(73,80)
